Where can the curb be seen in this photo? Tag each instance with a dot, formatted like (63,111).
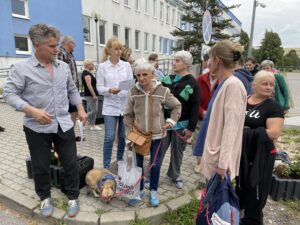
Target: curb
(30,207)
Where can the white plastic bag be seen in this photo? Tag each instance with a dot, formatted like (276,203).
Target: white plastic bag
(128,176)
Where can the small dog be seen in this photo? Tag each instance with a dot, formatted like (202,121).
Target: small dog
(102,183)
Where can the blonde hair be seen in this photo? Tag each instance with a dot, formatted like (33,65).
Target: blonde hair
(228,53)
(113,42)
(126,53)
(259,76)
(87,62)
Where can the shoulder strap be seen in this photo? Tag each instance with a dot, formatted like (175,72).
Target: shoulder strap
(150,104)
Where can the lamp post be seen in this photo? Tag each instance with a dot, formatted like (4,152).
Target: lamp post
(255,4)
(96,17)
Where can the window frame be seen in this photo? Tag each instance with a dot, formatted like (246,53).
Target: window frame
(153,43)
(137,40)
(118,30)
(19,52)
(146,42)
(90,26)
(105,32)
(128,3)
(154,9)
(26,9)
(161,11)
(129,36)
(137,5)
(168,15)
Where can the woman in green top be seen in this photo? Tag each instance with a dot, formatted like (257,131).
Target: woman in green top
(281,93)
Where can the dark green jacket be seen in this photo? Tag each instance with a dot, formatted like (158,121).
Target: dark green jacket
(281,92)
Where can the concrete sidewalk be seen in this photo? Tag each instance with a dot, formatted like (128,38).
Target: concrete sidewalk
(17,191)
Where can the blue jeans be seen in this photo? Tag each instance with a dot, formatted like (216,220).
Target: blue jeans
(110,123)
(155,170)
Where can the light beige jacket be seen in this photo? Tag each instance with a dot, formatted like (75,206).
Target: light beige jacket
(223,143)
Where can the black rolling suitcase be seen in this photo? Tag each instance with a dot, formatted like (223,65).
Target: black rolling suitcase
(85,164)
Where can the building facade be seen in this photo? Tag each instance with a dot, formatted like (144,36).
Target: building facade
(17,16)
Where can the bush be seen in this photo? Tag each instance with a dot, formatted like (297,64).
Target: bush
(295,170)
(288,171)
(282,171)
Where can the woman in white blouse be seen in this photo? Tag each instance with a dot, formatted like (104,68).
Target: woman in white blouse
(110,73)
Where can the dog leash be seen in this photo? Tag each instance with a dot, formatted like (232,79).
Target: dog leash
(154,161)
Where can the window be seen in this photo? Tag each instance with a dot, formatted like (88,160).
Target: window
(154,8)
(102,32)
(160,45)
(178,19)
(173,16)
(165,46)
(126,2)
(87,29)
(127,37)
(146,6)
(137,40)
(22,44)
(116,30)
(146,40)
(20,8)
(137,4)
(161,11)
(168,15)
(153,43)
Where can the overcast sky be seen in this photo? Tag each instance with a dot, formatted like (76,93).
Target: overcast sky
(280,16)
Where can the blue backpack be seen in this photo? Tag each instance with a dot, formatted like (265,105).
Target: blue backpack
(219,204)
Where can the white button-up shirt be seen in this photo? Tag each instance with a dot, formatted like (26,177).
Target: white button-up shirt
(109,76)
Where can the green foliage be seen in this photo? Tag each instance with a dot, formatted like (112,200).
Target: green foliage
(291,59)
(282,171)
(140,222)
(244,41)
(194,14)
(270,49)
(1,91)
(99,212)
(291,132)
(295,170)
(183,216)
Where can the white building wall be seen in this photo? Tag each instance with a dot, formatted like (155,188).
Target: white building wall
(115,12)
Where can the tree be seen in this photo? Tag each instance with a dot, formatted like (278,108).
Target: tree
(194,10)
(244,41)
(271,48)
(291,59)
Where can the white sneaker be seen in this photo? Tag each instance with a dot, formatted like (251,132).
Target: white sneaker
(98,128)
(95,128)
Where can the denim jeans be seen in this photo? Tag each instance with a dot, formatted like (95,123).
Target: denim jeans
(110,123)
(92,108)
(155,170)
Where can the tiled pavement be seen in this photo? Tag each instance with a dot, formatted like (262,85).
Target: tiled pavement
(17,191)
(15,184)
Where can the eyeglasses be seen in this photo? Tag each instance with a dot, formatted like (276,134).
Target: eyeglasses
(142,74)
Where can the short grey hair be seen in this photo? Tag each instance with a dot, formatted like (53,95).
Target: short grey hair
(267,63)
(39,32)
(142,64)
(185,56)
(66,39)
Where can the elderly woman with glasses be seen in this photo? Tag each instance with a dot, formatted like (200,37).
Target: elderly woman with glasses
(137,113)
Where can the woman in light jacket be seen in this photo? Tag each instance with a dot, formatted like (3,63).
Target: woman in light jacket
(221,132)
(137,113)
(110,73)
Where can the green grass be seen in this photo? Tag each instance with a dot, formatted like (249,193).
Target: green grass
(140,222)
(183,216)
(99,212)
(291,132)
(60,203)
(293,205)
(1,91)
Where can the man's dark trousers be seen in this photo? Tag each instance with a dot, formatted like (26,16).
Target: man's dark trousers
(40,152)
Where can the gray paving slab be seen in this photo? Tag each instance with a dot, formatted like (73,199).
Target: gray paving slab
(13,175)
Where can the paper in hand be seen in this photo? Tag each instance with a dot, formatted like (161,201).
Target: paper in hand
(126,85)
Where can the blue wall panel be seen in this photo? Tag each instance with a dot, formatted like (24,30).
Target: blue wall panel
(66,15)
